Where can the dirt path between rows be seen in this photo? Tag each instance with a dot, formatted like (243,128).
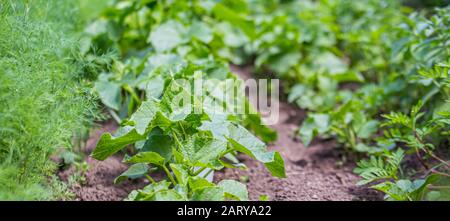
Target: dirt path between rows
(313,173)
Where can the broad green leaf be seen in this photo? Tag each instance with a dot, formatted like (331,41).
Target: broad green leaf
(109,92)
(157,192)
(147,157)
(201,31)
(166,195)
(199,182)
(154,87)
(155,187)
(254,123)
(245,142)
(232,36)
(144,115)
(331,63)
(158,65)
(368,129)
(177,103)
(167,36)
(307,131)
(282,63)
(217,126)
(349,76)
(296,92)
(313,125)
(135,171)
(108,145)
(180,173)
(276,166)
(202,150)
(160,143)
(208,194)
(234,189)
(224,13)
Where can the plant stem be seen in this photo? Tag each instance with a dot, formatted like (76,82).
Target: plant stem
(114,116)
(419,157)
(182,129)
(446,163)
(440,173)
(206,174)
(169,174)
(133,93)
(199,171)
(150,178)
(438,187)
(176,139)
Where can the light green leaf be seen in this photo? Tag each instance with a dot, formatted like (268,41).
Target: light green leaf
(313,125)
(234,189)
(201,31)
(108,145)
(276,166)
(144,115)
(202,150)
(282,63)
(135,171)
(368,128)
(167,36)
(245,142)
(176,103)
(180,173)
(166,195)
(208,194)
(109,92)
(160,143)
(198,183)
(224,13)
(154,87)
(147,157)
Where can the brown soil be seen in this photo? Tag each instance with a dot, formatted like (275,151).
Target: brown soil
(314,173)
(100,176)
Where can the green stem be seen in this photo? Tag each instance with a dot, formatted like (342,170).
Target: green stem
(169,174)
(438,187)
(182,129)
(114,116)
(227,152)
(150,178)
(351,138)
(133,93)
(206,174)
(176,139)
(440,173)
(199,171)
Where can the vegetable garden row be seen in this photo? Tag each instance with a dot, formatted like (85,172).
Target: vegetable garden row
(371,75)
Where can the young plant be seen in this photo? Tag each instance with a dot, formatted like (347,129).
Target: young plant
(172,136)
(384,170)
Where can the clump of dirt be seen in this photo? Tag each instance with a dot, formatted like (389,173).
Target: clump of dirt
(313,173)
(99,185)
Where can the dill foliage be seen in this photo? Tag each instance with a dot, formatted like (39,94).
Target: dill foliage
(43,102)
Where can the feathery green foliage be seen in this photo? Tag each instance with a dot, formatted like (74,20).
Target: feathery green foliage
(43,104)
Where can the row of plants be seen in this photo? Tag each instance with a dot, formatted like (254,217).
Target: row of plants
(161,58)
(348,63)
